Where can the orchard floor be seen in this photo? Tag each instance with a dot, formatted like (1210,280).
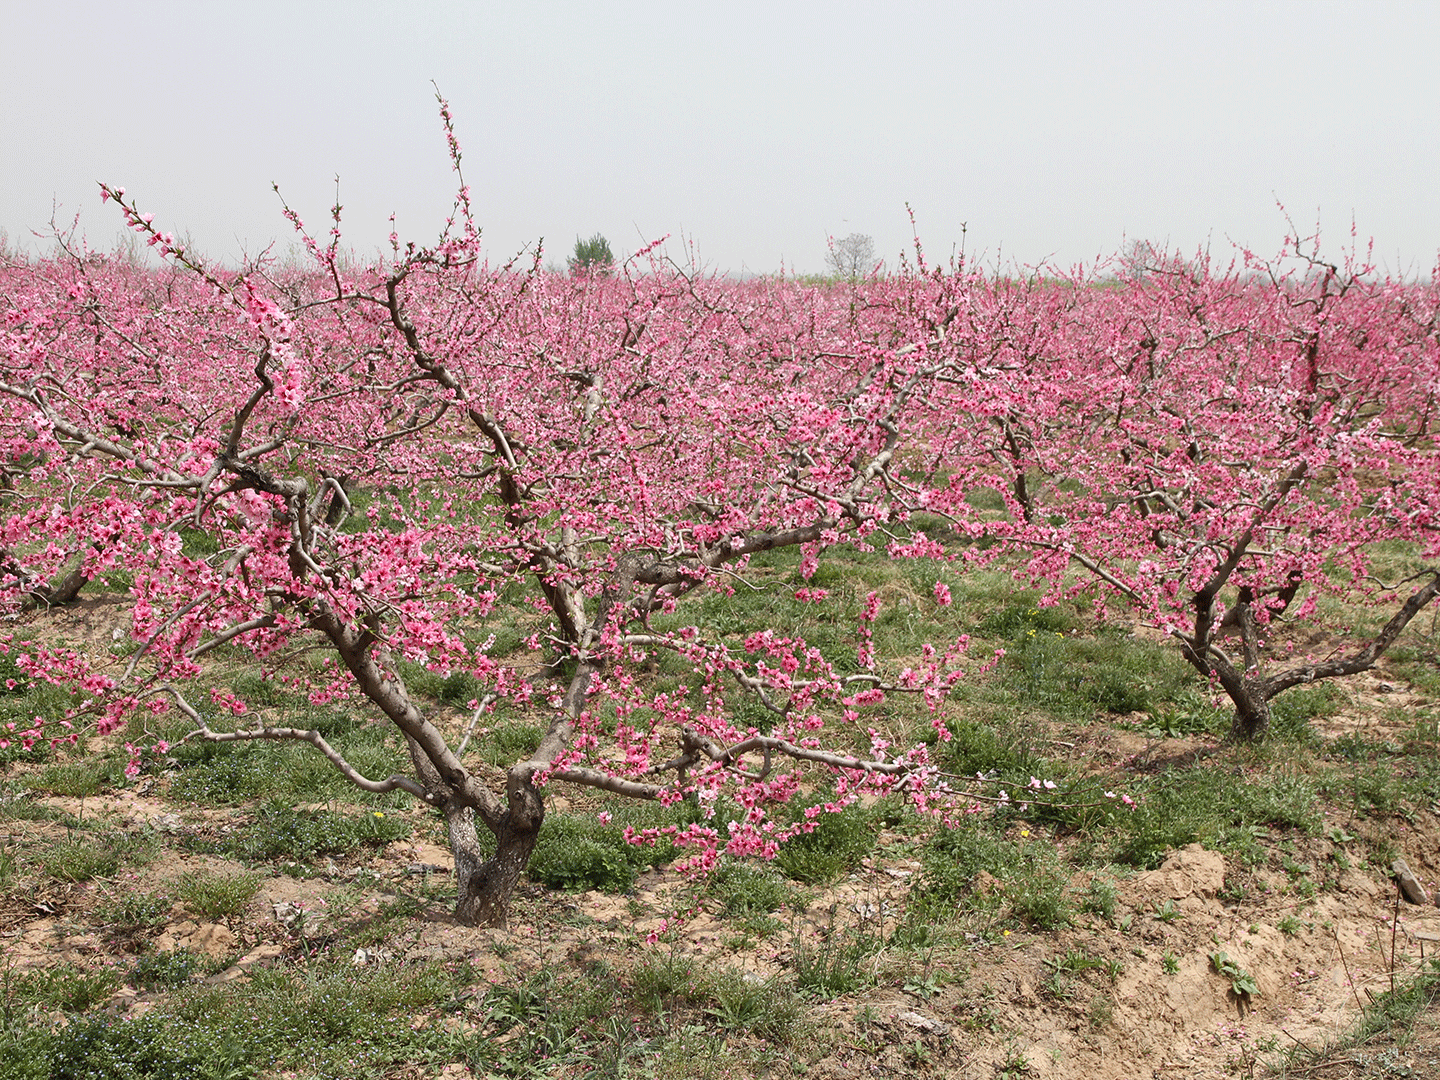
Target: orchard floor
(1147,1001)
(1128,992)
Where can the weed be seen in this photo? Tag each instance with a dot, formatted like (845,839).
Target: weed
(1014,1065)
(657,982)
(1169,963)
(68,987)
(746,1002)
(1101,1013)
(833,966)
(836,844)
(75,860)
(748,889)
(1241,981)
(79,779)
(1100,897)
(218,896)
(167,970)
(1168,913)
(505,744)
(1029,877)
(1290,925)
(134,911)
(280,832)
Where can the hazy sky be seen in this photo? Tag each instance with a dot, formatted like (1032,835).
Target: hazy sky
(752,130)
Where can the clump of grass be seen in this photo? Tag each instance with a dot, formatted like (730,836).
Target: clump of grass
(834,965)
(79,779)
(745,1002)
(232,774)
(578,852)
(280,832)
(1215,806)
(837,843)
(507,743)
(75,859)
(1100,897)
(131,912)
(1026,877)
(1070,675)
(748,889)
(1292,712)
(167,970)
(68,987)
(545,1017)
(659,982)
(218,896)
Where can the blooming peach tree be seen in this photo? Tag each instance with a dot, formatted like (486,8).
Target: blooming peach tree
(1219,449)
(611,446)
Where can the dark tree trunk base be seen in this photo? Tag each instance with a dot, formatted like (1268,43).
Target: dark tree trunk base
(484,887)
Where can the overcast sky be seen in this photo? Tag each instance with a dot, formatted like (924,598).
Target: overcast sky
(751,130)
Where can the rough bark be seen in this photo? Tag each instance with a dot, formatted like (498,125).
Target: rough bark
(484,886)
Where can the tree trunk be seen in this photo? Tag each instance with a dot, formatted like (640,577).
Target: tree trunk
(484,886)
(1252,713)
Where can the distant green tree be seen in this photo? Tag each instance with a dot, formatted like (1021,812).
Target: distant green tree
(592,256)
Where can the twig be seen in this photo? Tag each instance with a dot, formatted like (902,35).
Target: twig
(1394,927)
(1348,977)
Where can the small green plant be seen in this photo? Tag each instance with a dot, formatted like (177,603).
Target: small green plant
(218,896)
(1240,980)
(658,981)
(167,970)
(1076,959)
(1290,925)
(74,860)
(837,843)
(79,779)
(1168,913)
(833,966)
(1014,1065)
(1101,1012)
(923,986)
(747,889)
(280,832)
(1170,963)
(132,912)
(744,1001)
(1100,897)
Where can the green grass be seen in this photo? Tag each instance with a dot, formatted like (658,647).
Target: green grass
(838,841)
(132,912)
(745,888)
(83,856)
(834,964)
(218,896)
(232,774)
(67,987)
(324,1021)
(576,852)
(80,779)
(281,832)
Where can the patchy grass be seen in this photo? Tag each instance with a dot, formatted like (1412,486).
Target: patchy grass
(875,906)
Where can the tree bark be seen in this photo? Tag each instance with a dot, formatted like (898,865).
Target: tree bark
(1252,714)
(484,887)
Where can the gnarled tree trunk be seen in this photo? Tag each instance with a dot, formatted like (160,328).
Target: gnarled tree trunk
(484,886)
